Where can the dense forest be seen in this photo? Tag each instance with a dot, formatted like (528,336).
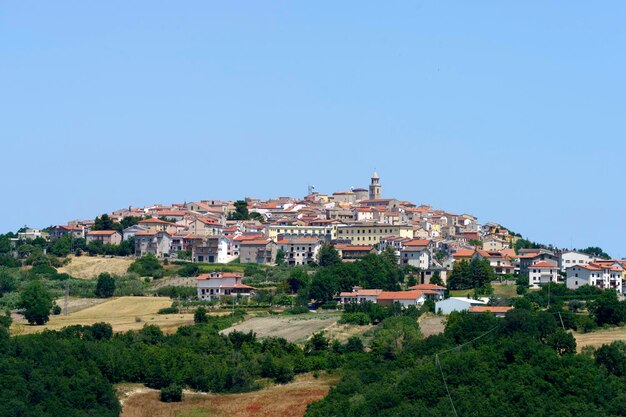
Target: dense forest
(70,373)
(522,365)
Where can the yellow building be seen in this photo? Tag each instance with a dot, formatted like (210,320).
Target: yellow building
(372,233)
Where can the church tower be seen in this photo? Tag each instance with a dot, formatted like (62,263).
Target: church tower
(375,187)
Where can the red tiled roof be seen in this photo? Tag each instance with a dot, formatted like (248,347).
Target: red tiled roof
(489,309)
(102,232)
(400,295)
(543,265)
(427,287)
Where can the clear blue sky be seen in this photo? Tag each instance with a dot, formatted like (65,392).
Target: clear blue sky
(512,112)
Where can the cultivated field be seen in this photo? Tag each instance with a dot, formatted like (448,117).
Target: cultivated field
(600,337)
(123,313)
(295,328)
(88,267)
(289,400)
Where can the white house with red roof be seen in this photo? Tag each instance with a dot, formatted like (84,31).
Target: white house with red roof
(215,285)
(599,275)
(359,295)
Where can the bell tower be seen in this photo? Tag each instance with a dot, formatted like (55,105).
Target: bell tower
(375,187)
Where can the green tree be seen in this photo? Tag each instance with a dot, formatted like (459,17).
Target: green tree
(298,278)
(103,222)
(596,252)
(105,286)
(147,266)
(61,246)
(171,394)
(607,309)
(436,279)
(241,211)
(280,257)
(328,255)
(200,316)
(36,301)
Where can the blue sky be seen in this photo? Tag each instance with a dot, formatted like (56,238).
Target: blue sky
(511,112)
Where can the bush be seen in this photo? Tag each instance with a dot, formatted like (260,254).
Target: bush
(331,305)
(147,266)
(171,394)
(298,310)
(105,286)
(199,316)
(360,319)
(169,310)
(586,324)
(56,309)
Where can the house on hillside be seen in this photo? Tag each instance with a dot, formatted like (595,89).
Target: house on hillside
(300,251)
(57,232)
(350,253)
(107,237)
(259,251)
(359,295)
(597,275)
(543,272)
(573,258)
(215,285)
(155,242)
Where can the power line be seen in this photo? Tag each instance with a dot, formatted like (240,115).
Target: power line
(445,384)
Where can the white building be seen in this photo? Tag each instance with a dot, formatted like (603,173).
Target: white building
(601,276)
(542,273)
(300,251)
(359,295)
(572,258)
(215,285)
(451,304)
(415,256)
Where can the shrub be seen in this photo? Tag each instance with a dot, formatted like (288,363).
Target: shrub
(56,309)
(298,310)
(171,394)
(586,324)
(169,310)
(199,316)
(360,319)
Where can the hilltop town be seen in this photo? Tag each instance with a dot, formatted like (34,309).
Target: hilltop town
(356,222)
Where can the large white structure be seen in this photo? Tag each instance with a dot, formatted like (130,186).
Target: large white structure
(573,258)
(452,304)
(542,273)
(601,276)
(215,285)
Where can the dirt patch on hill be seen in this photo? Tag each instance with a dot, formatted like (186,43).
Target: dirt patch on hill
(295,329)
(289,400)
(600,337)
(431,325)
(123,313)
(89,267)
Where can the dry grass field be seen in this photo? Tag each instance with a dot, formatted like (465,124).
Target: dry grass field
(123,313)
(600,337)
(297,328)
(288,400)
(431,325)
(88,267)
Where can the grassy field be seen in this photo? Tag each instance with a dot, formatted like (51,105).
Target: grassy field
(297,328)
(600,337)
(289,400)
(88,267)
(506,291)
(124,313)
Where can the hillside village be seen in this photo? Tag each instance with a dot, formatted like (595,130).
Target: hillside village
(355,222)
